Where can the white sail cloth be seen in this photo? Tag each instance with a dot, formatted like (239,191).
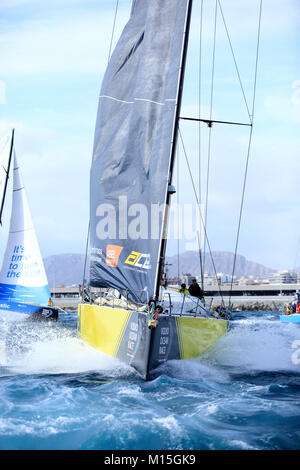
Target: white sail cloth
(22,277)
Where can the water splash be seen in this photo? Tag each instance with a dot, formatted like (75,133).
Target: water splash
(258,345)
(58,393)
(50,348)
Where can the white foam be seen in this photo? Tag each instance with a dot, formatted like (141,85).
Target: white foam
(53,349)
(241,445)
(197,368)
(257,344)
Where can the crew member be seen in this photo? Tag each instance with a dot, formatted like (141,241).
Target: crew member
(183,289)
(288,310)
(50,302)
(195,290)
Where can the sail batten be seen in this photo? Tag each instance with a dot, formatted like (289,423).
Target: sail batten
(134,133)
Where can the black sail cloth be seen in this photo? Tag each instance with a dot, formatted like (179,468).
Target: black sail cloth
(132,148)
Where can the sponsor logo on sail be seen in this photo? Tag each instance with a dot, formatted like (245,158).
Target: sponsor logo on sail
(139,260)
(112,255)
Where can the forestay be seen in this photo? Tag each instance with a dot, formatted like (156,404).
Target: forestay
(5,149)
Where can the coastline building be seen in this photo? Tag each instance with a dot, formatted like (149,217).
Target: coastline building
(187,279)
(283,277)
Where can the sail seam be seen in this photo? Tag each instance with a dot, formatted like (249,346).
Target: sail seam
(136,99)
(116,99)
(24,230)
(150,101)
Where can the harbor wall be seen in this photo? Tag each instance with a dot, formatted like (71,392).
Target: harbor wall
(253,302)
(239,303)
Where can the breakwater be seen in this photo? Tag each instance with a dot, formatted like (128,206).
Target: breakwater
(239,303)
(253,302)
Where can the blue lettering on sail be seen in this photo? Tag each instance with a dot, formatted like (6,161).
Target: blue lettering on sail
(21,266)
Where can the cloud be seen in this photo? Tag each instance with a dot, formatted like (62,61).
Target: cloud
(56,178)
(10,4)
(56,43)
(242,19)
(283,108)
(54,131)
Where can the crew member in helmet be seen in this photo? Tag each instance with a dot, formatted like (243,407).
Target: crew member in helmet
(195,290)
(183,289)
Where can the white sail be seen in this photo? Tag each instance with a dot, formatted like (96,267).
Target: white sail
(22,277)
(5,148)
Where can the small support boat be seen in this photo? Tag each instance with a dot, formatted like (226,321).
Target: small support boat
(293,318)
(292,312)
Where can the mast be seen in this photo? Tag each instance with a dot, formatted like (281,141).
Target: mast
(163,241)
(7,174)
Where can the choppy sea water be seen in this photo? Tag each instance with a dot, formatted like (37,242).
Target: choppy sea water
(58,393)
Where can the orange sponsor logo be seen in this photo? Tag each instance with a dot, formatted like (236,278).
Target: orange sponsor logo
(112,255)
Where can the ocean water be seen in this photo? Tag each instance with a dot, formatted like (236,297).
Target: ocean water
(58,393)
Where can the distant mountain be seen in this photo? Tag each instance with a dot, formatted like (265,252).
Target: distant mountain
(189,263)
(68,269)
(64,269)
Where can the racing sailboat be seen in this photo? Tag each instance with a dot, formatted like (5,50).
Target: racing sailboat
(24,290)
(126,313)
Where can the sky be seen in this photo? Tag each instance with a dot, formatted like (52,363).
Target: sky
(53,54)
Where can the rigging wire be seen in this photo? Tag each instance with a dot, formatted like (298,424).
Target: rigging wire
(296,256)
(234,59)
(7,171)
(89,225)
(199,134)
(210,128)
(86,255)
(200,213)
(113,30)
(178,216)
(248,151)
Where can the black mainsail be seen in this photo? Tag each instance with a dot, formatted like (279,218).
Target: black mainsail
(133,148)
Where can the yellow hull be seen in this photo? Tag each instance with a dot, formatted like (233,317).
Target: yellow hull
(124,334)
